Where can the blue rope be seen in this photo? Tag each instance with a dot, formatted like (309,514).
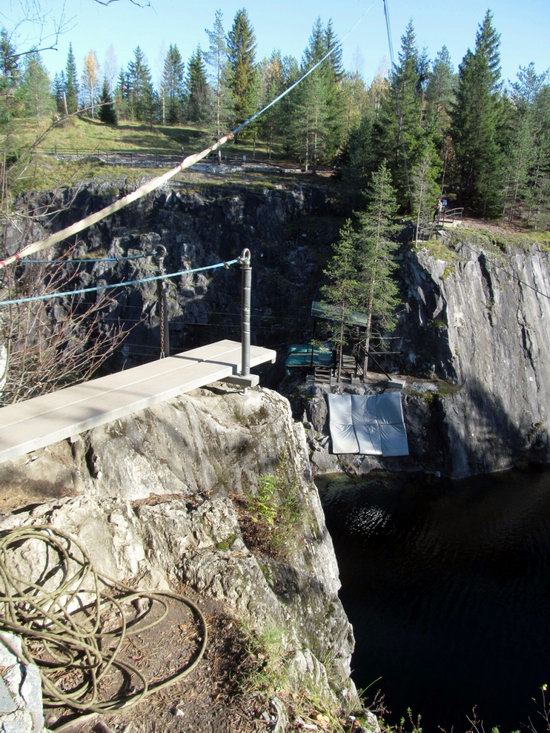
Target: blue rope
(329,53)
(86,259)
(81,291)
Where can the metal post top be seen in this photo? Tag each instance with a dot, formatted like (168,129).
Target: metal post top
(245,258)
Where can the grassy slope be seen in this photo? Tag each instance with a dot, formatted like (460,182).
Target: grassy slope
(87,136)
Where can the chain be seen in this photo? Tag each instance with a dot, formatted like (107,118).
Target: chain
(161,253)
(162,332)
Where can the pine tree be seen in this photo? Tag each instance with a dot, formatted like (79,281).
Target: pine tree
(241,49)
(141,100)
(71,84)
(172,87)
(475,125)
(35,87)
(107,110)
(198,93)
(222,112)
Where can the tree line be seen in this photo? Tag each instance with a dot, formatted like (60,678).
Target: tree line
(465,135)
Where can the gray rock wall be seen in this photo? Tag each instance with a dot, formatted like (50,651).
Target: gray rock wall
(155,497)
(481,320)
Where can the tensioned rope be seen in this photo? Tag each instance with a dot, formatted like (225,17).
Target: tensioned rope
(157,182)
(74,260)
(110,286)
(74,621)
(506,270)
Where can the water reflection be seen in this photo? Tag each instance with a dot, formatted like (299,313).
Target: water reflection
(447,586)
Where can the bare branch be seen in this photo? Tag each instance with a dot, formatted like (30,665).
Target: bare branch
(139,3)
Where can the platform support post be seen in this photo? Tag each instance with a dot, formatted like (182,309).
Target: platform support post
(246,289)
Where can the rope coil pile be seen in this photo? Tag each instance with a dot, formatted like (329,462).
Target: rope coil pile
(62,615)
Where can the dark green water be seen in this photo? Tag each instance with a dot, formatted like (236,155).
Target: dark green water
(447,586)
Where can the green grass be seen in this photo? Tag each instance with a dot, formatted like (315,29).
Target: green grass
(439,251)
(501,241)
(90,138)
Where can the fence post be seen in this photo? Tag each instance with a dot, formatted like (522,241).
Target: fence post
(246,288)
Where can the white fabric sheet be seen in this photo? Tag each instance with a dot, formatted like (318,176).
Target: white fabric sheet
(368,425)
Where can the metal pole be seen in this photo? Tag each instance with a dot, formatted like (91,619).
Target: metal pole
(246,288)
(162,305)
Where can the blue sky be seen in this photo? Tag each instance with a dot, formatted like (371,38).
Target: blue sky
(524,26)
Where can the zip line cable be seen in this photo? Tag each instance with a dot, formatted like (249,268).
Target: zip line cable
(388,32)
(152,278)
(157,182)
(71,260)
(398,100)
(510,273)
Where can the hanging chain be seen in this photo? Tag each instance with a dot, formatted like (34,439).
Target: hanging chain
(161,291)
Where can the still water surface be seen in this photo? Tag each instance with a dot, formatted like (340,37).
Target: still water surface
(447,586)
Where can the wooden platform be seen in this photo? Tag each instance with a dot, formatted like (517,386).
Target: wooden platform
(42,421)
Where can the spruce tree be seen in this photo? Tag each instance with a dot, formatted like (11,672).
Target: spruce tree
(172,87)
(525,143)
(361,270)
(343,289)
(241,48)
(71,82)
(107,110)
(10,74)
(198,93)
(426,189)
(376,254)
(475,126)
(221,112)
(317,115)
(440,94)
(122,95)
(35,87)
(398,134)
(272,85)
(141,100)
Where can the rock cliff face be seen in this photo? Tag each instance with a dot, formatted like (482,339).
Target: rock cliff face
(288,230)
(475,314)
(480,318)
(475,349)
(166,497)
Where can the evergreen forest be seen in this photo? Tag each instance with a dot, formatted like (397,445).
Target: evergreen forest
(465,134)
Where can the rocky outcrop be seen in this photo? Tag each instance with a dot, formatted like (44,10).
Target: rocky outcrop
(166,497)
(475,349)
(288,229)
(478,317)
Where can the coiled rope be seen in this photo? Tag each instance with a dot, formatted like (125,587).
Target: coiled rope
(73,621)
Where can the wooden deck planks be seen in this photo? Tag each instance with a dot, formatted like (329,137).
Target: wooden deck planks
(42,421)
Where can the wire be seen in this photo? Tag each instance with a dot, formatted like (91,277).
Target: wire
(61,261)
(73,627)
(508,272)
(388,32)
(151,278)
(157,182)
